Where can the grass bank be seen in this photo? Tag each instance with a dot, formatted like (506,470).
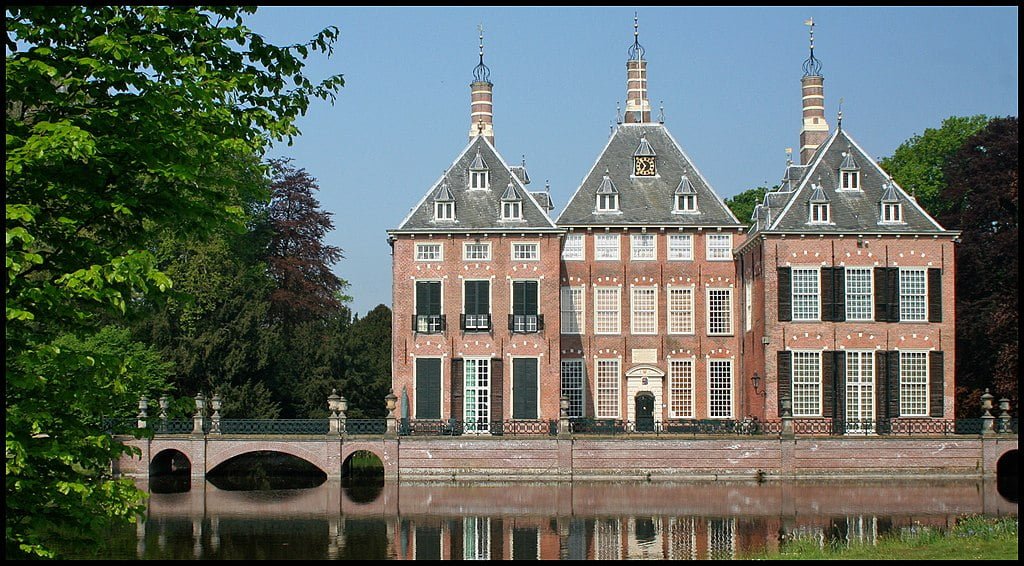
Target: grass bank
(973,538)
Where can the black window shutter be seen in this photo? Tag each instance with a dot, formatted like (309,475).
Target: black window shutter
(826,281)
(936,384)
(881,295)
(839,288)
(893,368)
(785,294)
(470,297)
(524,384)
(785,369)
(428,543)
(934,295)
(428,388)
(455,538)
(457,388)
(828,385)
(881,386)
(893,285)
(497,393)
(519,297)
(422,297)
(531,297)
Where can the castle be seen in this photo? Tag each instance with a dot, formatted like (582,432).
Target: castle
(647,301)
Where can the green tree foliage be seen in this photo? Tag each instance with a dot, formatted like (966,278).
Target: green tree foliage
(981,200)
(742,205)
(367,351)
(918,164)
(117,119)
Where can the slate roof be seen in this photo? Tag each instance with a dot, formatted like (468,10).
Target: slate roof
(644,200)
(477,209)
(857,211)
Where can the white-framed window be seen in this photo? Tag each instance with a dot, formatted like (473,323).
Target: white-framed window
(606,247)
(608,380)
(444,211)
(573,380)
(892,212)
(479,180)
(820,213)
(477,394)
(680,247)
(476,251)
(748,305)
(607,203)
(719,247)
(476,538)
(859,299)
(511,210)
(428,252)
(572,310)
(860,390)
(680,310)
(643,247)
(806,294)
(913,294)
(913,384)
(720,389)
(525,251)
(719,312)
(573,247)
(644,310)
(849,180)
(607,301)
(806,384)
(680,389)
(686,203)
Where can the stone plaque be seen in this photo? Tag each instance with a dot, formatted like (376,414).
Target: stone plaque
(645,356)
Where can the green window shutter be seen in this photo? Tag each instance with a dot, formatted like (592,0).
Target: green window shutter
(828,385)
(524,388)
(785,369)
(428,388)
(477,299)
(469,297)
(936,384)
(839,292)
(934,295)
(893,367)
(497,393)
(524,297)
(531,297)
(785,294)
(457,392)
(428,297)
(881,295)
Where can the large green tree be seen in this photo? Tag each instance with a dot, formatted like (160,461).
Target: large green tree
(117,122)
(982,200)
(918,164)
(742,205)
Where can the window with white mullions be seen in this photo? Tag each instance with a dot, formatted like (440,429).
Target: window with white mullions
(680,383)
(719,312)
(680,310)
(720,389)
(719,247)
(680,247)
(859,302)
(643,247)
(573,247)
(606,247)
(572,310)
(806,384)
(806,294)
(608,378)
(477,395)
(476,251)
(644,319)
(860,391)
(572,386)
(913,384)
(913,295)
(606,310)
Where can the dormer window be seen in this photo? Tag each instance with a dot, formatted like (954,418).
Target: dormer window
(511,203)
(644,164)
(820,213)
(607,195)
(849,172)
(444,211)
(891,207)
(685,197)
(479,175)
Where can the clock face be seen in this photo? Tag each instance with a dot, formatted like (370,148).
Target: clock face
(643,166)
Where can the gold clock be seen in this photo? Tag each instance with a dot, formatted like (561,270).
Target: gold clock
(643,166)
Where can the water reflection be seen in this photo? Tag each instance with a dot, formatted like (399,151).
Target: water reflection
(566,521)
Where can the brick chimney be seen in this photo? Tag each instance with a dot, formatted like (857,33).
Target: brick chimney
(815,129)
(481,97)
(638,108)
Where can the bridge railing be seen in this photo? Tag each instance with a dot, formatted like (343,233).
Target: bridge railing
(274,426)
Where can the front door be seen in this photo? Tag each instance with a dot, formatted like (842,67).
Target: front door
(644,412)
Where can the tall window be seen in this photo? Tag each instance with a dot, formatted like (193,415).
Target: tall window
(642,247)
(680,247)
(720,389)
(680,389)
(719,247)
(477,394)
(806,301)
(608,389)
(859,304)
(860,390)
(806,384)
(644,319)
(606,310)
(748,305)
(719,311)
(572,386)
(525,251)
(680,310)
(572,310)
(476,251)
(476,305)
(428,252)
(913,295)
(913,384)
(572,248)
(606,246)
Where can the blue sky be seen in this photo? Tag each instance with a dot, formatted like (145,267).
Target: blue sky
(729,79)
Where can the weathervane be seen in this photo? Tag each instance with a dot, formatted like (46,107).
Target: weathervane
(812,67)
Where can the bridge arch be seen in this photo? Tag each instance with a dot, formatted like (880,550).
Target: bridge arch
(170,461)
(1008,474)
(315,455)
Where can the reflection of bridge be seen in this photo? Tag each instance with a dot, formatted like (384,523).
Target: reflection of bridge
(534,453)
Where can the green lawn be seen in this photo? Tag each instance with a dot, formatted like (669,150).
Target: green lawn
(973,538)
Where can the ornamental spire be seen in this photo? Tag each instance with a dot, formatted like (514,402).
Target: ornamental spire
(812,67)
(481,119)
(638,108)
(812,85)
